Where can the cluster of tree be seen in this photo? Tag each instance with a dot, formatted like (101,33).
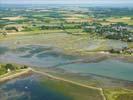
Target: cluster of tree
(124,50)
(108,12)
(50,27)
(3,33)
(119,31)
(10,67)
(11,28)
(61,26)
(14,67)
(28,28)
(6,68)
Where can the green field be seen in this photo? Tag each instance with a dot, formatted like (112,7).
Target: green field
(92,34)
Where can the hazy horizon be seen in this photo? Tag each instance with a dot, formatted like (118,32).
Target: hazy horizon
(67,2)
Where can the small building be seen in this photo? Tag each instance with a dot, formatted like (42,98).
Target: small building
(8,70)
(129,51)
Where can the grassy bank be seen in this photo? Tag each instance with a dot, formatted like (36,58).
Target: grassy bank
(118,94)
(9,71)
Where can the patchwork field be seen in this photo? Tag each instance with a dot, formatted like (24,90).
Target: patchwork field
(75,53)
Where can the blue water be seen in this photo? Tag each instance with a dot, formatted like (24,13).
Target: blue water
(29,88)
(46,56)
(109,68)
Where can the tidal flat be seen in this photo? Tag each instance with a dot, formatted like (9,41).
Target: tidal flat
(56,63)
(76,53)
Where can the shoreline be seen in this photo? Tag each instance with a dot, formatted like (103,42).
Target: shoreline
(11,75)
(74,51)
(70,81)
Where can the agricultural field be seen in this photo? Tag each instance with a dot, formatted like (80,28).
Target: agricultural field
(74,52)
(83,26)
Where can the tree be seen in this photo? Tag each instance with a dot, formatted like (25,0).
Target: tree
(10,66)
(11,28)
(4,34)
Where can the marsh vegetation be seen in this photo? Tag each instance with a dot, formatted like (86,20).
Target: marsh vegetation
(89,45)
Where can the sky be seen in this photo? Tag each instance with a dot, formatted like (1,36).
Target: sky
(66,1)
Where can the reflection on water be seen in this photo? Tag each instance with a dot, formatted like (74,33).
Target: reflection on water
(28,88)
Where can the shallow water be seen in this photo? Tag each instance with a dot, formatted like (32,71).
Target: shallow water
(29,88)
(108,68)
(36,55)
(46,56)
